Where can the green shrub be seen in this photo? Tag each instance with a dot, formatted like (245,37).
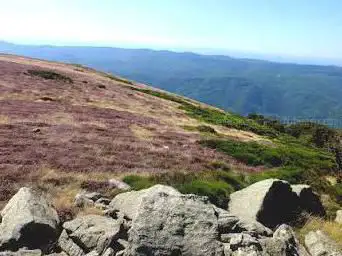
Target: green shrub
(49,75)
(252,153)
(217,191)
(201,128)
(212,115)
(218,117)
(138,182)
(216,185)
(119,79)
(163,95)
(292,175)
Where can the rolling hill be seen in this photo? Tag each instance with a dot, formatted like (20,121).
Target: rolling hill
(67,127)
(288,91)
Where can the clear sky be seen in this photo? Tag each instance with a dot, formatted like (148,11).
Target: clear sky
(311,28)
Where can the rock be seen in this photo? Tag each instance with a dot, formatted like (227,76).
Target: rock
(242,240)
(69,246)
(252,227)
(103,200)
(308,200)
(319,244)
(92,195)
(228,223)
(28,213)
(302,250)
(283,242)
(129,203)
(165,222)
(84,199)
(109,252)
(58,254)
(114,183)
(93,253)
(90,232)
(270,202)
(36,130)
(338,218)
(22,252)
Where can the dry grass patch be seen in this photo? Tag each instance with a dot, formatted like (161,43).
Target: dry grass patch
(65,186)
(330,228)
(4,119)
(58,118)
(141,133)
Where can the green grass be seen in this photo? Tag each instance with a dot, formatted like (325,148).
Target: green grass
(200,128)
(216,185)
(255,154)
(163,95)
(119,79)
(49,75)
(212,115)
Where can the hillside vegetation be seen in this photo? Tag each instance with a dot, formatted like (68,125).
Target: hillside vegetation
(68,127)
(240,85)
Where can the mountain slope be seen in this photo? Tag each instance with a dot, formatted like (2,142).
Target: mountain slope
(69,127)
(241,85)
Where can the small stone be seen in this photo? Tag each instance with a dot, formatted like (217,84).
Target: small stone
(114,183)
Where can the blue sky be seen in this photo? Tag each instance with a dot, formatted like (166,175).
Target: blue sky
(306,28)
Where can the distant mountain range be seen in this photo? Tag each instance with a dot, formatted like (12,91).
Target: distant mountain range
(240,85)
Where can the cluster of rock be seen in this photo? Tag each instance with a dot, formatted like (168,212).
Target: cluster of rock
(157,221)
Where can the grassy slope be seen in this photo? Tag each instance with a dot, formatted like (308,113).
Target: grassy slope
(284,156)
(134,132)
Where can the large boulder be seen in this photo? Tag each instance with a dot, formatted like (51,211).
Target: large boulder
(273,202)
(130,202)
(308,200)
(319,244)
(90,233)
(28,220)
(168,223)
(270,202)
(165,222)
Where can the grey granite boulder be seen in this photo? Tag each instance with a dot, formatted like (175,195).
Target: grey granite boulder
(270,202)
(28,220)
(165,222)
(309,201)
(319,244)
(129,203)
(89,233)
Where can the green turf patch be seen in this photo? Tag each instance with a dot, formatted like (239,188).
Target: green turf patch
(216,185)
(119,79)
(255,154)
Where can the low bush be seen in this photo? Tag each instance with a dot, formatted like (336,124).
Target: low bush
(201,128)
(119,79)
(138,182)
(49,75)
(253,153)
(216,185)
